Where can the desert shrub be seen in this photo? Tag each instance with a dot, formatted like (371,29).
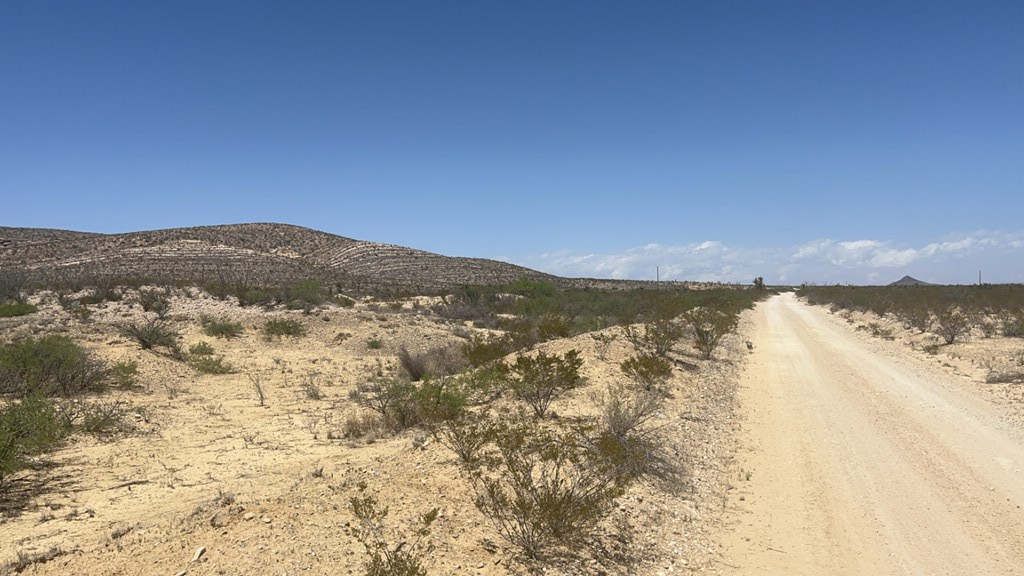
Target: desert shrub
(283,327)
(481,385)
(311,387)
(437,362)
(104,417)
(542,484)
(657,338)
(709,327)
(623,441)
(483,350)
(50,365)
(12,283)
(540,379)
(552,326)
(209,364)
(305,295)
(1012,324)
(374,344)
(623,409)
(256,297)
(879,331)
(987,326)
(951,325)
(124,373)
(385,559)
(221,328)
(439,399)
(200,349)
(403,404)
(156,300)
(465,434)
(16,309)
(648,371)
(915,316)
(29,426)
(152,334)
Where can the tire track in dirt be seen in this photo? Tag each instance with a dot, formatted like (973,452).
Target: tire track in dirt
(863,460)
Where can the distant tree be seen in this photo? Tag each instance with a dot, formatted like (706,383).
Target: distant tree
(759,283)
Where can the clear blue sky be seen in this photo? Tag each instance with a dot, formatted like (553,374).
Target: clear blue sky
(802,141)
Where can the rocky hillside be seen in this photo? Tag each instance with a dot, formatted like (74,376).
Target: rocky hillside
(242,253)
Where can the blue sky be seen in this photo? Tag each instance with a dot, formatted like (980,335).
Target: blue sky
(799,141)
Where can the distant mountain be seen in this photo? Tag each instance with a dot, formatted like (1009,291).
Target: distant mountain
(253,254)
(910,281)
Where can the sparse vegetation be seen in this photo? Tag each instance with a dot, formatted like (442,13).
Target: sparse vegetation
(221,328)
(387,559)
(283,327)
(16,309)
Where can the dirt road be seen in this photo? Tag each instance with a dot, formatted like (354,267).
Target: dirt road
(861,459)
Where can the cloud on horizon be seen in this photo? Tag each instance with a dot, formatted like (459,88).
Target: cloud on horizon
(955,259)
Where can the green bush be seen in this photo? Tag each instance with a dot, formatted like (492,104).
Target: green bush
(539,380)
(221,328)
(125,373)
(1012,324)
(403,404)
(483,350)
(649,371)
(385,559)
(543,484)
(255,297)
(657,339)
(305,295)
(952,325)
(152,334)
(16,309)
(201,349)
(27,427)
(710,325)
(50,365)
(283,327)
(208,364)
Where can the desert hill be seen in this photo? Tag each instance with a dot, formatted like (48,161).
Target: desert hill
(262,253)
(910,281)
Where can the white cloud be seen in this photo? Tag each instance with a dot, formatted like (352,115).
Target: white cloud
(955,259)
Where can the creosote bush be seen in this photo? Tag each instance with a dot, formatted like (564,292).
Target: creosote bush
(540,379)
(543,483)
(952,325)
(221,328)
(648,371)
(283,327)
(152,334)
(27,427)
(402,404)
(389,559)
(709,326)
(52,365)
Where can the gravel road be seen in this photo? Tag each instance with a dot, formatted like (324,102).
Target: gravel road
(860,458)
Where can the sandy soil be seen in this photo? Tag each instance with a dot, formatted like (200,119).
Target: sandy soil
(265,489)
(864,456)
